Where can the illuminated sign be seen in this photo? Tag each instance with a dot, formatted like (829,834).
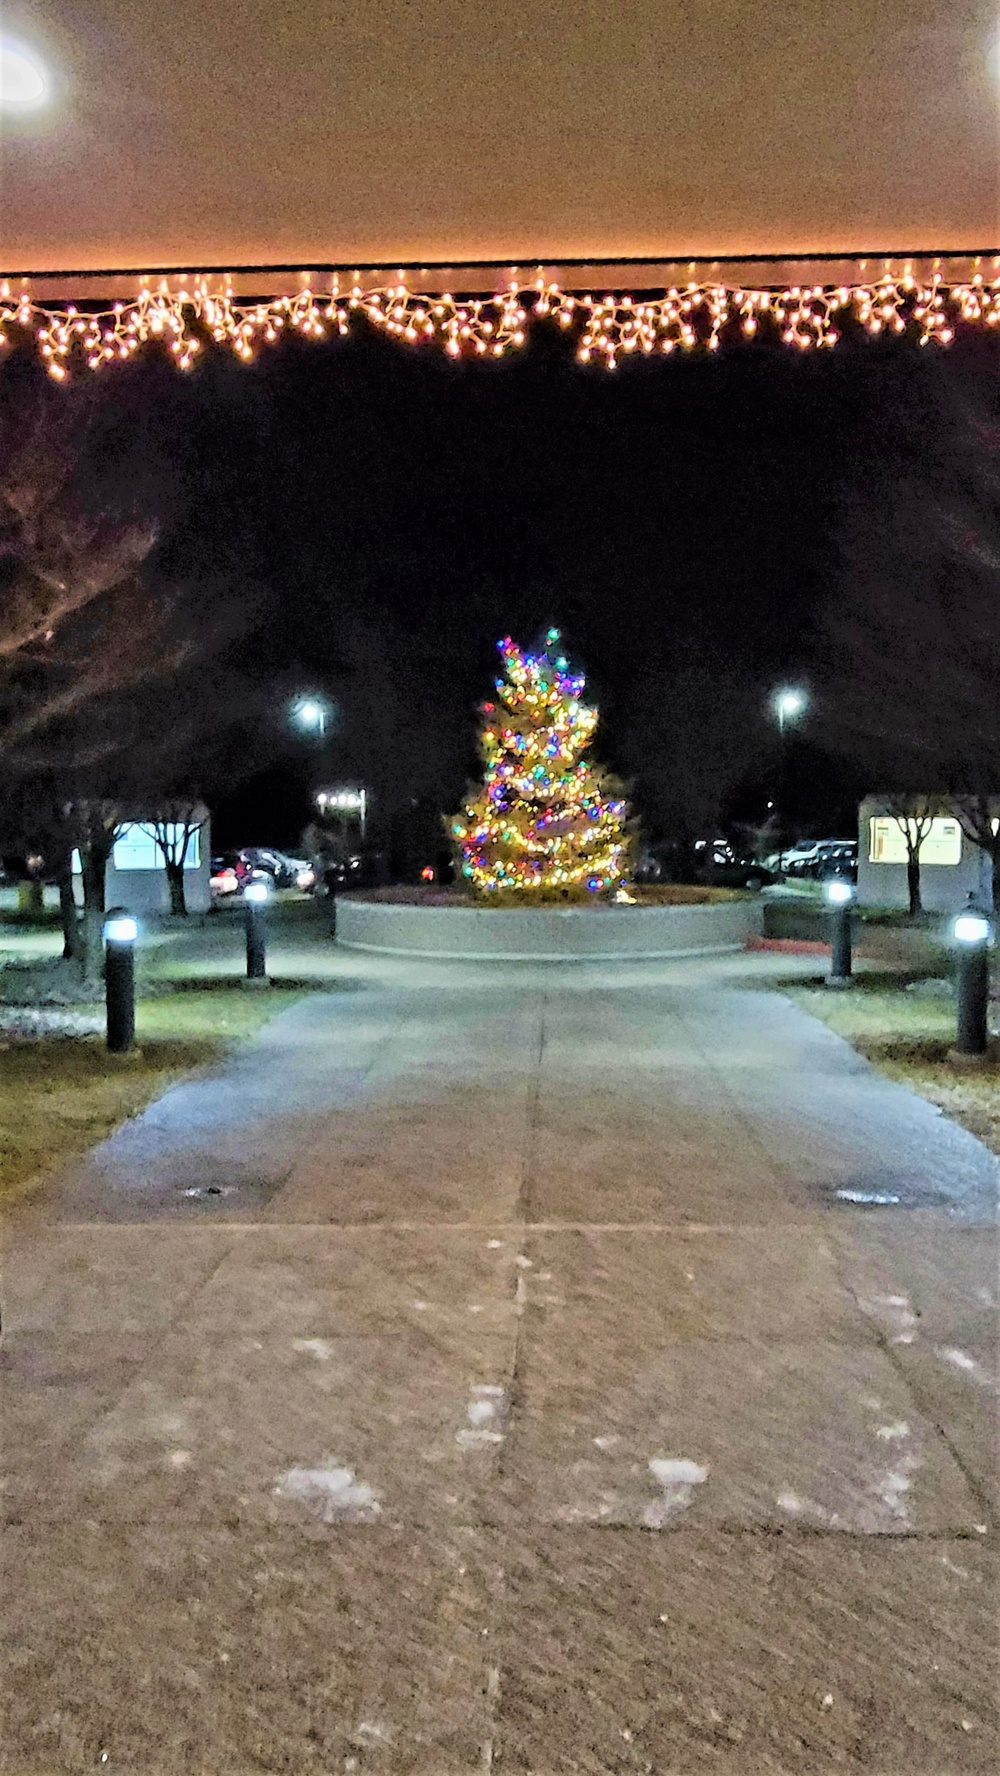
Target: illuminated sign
(136,849)
(887,841)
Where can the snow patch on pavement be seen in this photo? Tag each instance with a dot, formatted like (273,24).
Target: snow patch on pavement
(893,1488)
(800,1507)
(372,1733)
(331,1493)
(320,1348)
(485,1413)
(676,1477)
(960,1359)
(896,1314)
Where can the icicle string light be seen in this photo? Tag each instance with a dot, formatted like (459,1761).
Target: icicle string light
(187,313)
(545,823)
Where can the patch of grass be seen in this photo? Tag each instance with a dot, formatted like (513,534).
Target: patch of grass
(30,918)
(60,1096)
(907,1035)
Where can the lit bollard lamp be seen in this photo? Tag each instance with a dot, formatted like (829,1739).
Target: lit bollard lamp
(255,900)
(120,933)
(972,932)
(839,895)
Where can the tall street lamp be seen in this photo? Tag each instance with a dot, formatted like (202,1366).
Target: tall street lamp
(347,801)
(788,704)
(311,714)
(24,83)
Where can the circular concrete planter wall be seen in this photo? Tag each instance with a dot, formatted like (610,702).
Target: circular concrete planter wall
(545,934)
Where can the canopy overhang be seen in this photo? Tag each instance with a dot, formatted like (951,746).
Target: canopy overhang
(613,308)
(584,149)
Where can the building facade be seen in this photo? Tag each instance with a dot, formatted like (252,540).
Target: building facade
(136,876)
(951,866)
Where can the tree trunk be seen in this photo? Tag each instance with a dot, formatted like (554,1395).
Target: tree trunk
(913,885)
(94,858)
(68,910)
(175,883)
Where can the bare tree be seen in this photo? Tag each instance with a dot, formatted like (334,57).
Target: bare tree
(914,815)
(176,824)
(93,826)
(67,577)
(977,815)
(87,628)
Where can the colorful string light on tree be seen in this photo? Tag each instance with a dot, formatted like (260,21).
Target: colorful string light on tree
(546,823)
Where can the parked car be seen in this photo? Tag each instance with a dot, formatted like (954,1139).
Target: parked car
(270,863)
(338,872)
(228,873)
(303,872)
(816,859)
(837,858)
(801,860)
(741,872)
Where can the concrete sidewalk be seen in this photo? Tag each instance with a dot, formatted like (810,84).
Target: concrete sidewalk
(554,1369)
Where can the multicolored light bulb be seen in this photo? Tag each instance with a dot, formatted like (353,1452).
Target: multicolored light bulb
(546,824)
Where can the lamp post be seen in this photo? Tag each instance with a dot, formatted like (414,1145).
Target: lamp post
(311,713)
(348,800)
(255,899)
(972,933)
(839,895)
(24,83)
(787,705)
(120,933)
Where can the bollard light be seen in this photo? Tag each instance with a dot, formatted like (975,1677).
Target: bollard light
(255,895)
(972,931)
(120,933)
(839,895)
(121,928)
(972,928)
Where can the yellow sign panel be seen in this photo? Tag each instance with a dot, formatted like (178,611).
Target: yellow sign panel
(887,841)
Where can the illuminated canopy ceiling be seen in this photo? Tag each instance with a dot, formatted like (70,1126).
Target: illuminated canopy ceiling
(499,141)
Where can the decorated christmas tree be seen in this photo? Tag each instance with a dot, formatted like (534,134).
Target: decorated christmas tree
(546,824)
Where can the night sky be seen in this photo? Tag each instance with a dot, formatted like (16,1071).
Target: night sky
(393,514)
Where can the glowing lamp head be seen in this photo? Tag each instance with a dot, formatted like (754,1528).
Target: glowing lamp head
(120,928)
(972,928)
(310,714)
(789,703)
(839,892)
(256,893)
(23,82)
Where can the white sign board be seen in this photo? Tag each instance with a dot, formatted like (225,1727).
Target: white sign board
(136,848)
(887,841)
